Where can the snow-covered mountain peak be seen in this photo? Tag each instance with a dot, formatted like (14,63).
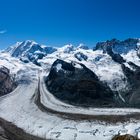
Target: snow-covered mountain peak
(67,48)
(71,49)
(22,48)
(32,42)
(29,50)
(83,46)
(29,43)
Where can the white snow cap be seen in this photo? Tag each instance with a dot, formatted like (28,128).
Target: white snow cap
(83,46)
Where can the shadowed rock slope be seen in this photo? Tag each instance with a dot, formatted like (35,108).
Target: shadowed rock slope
(7,84)
(76,84)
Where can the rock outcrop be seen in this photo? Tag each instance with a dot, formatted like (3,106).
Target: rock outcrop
(125,137)
(133,78)
(80,56)
(76,84)
(115,56)
(7,84)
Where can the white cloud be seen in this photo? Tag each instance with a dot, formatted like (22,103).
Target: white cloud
(3,31)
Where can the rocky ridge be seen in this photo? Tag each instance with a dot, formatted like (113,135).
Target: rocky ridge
(7,83)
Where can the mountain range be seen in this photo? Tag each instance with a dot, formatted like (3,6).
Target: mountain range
(70,92)
(115,63)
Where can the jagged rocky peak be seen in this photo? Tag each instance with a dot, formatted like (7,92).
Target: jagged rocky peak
(133,78)
(119,46)
(7,84)
(74,83)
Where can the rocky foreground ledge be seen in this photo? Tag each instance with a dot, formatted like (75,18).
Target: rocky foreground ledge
(125,137)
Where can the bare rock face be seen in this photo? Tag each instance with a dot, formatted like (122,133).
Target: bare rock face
(133,77)
(7,84)
(80,56)
(76,84)
(3,135)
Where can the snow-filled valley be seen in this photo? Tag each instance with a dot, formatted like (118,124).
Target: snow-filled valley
(31,107)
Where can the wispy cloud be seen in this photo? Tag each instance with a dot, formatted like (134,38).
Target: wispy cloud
(3,31)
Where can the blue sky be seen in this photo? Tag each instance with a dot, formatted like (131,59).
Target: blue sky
(58,22)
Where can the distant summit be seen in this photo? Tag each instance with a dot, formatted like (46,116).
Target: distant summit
(83,46)
(119,46)
(29,50)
